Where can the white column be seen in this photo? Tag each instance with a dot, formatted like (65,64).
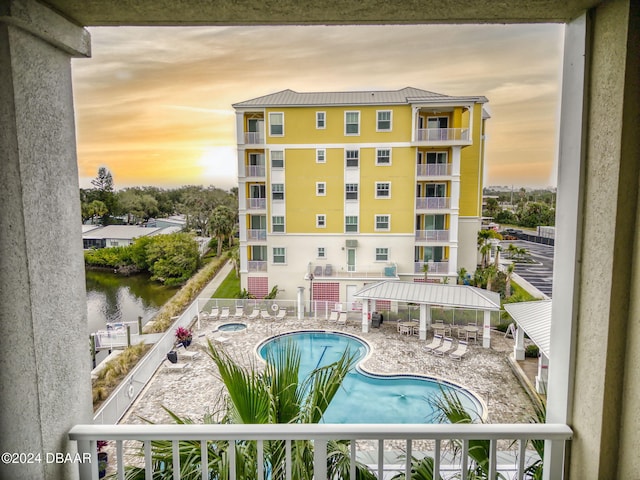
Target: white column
(365,316)
(541,378)
(240,128)
(300,303)
(518,349)
(425,320)
(486,333)
(45,366)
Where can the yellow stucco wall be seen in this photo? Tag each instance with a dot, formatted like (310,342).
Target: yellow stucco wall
(471,165)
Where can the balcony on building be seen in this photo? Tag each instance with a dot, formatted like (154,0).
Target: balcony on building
(441,267)
(254,128)
(442,126)
(256,266)
(255,167)
(432,203)
(429,170)
(327,271)
(256,203)
(432,236)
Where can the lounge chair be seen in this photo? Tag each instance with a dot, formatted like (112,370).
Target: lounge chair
(444,348)
(239,313)
(458,353)
(342,319)
(225,313)
(204,315)
(265,315)
(214,313)
(435,343)
(253,315)
(334,316)
(281,314)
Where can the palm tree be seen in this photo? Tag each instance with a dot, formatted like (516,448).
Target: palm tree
(275,394)
(497,259)
(221,224)
(462,275)
(490,273)
(507,287)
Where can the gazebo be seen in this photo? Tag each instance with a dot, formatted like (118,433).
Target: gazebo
(534,319)
(427,295)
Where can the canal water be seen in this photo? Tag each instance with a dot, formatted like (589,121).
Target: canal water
(116,298)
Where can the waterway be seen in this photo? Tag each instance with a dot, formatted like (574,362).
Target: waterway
(116,298)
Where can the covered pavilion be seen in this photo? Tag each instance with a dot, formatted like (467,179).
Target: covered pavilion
(427,295)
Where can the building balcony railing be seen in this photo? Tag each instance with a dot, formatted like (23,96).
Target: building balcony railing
(256,171)
(257,203)
(433,203)
(336,272)
(256,234)
(206,441)
(433,170)
(442,135)
(257,266)
(432,235)
(434,267)
(253,138)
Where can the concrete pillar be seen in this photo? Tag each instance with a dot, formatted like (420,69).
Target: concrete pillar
(541,377)
(45,367)
(518,349)
(300,303)
(486,330)
(365,316)
(425,320)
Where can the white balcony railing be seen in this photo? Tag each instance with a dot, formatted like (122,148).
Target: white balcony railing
(432,235)
(253,138)
(434,267)
(433,170)
(257,203)
(442,135)
(325,271)
(518,435)
(256,234)
(257,266)
(256,171)
(433,203)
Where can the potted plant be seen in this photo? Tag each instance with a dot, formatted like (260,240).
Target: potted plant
(184,336)
(103,458)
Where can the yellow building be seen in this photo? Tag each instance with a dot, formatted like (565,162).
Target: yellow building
(350,188)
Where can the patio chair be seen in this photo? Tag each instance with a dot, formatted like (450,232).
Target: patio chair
(342,319)
(281,314)
(239,313)
(458,353)
(204,315)
(225,313)
(328,270)
(444,348)
(435,343)
(253,315)
(264,314)
(214,313)
(462,333)
(317,272)
(334,316)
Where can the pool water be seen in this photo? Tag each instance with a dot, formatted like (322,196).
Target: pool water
(232,327)
(366,398)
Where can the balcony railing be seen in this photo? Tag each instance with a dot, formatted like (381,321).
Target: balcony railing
(432,235)
(433,170)
(257,266)
(433,203)
(434,267)
(257,203)
(442,135)
(256,171)
(253,138)
(256,234)
(211,438)
(330,271)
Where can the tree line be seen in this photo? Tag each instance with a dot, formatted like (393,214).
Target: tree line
(527,209)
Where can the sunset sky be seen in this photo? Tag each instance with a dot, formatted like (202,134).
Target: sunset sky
(153,105)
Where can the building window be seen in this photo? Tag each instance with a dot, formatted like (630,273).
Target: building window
(383,156)
(383,222)
(352,158)
(321,220)
(382,254)
(277,159)
(321,120)
(276,124)
(383,190)
(277,224)
(384,121)
(351,191)
(352,123)
(321,252)
(321,155)
(321,189)
(351,224)
(279,255)
(436,157)
(277,191)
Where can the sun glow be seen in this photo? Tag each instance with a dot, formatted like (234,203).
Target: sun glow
(219,163)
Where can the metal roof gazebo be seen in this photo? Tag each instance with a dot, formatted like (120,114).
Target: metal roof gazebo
(430,294)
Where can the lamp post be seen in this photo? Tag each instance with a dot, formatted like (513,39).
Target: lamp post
(311,293)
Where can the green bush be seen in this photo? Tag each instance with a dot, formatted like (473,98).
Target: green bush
(532,351)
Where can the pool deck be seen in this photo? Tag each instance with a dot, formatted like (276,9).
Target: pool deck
(195,390)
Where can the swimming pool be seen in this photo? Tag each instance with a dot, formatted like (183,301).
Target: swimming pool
(364,397)
(232,327)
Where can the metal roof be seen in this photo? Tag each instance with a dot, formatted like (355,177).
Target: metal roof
(461,296)
(121,232)
(404,96)
(535,319)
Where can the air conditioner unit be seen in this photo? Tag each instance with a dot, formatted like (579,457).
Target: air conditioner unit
(351,243)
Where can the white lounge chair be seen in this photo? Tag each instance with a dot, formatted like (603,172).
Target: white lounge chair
(435,343)
(444,348)
(334,316)
(215,312)
(225,313)
(458,353)
(204,315)
(253,315)
(342,318)
(281,314)
(265,315)
(239,313)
